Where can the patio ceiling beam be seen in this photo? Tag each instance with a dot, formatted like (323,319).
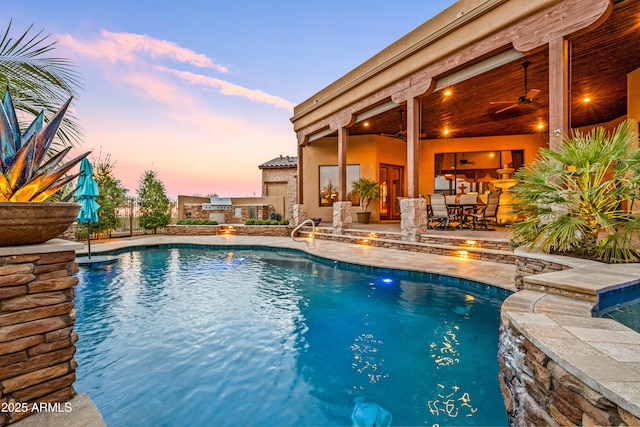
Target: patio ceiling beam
(478,68)
(379,109)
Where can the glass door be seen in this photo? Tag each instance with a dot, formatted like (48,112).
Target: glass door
(391,187)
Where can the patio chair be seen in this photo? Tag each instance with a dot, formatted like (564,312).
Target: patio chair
(488,212)
(438,214)
(469,199)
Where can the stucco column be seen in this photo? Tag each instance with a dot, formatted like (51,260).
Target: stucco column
(413,218)
(411,95)
(559,114)
(300,189)
(299,213)
(413,146)
(341,125)
(341,217)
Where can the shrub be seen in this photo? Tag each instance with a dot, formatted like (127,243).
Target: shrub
(193,221)
(266,222)
(577,200)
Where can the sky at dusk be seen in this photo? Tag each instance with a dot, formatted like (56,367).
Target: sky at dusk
(202,92)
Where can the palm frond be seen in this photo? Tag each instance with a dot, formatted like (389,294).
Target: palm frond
(39,81)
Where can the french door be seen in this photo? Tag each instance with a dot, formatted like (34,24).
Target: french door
(391,187)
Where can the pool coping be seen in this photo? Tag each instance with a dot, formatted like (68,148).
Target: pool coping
(555,311)
(83,413)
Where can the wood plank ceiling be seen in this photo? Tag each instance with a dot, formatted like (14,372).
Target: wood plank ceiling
(600,62)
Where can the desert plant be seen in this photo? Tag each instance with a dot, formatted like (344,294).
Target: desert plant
(26,174)
(367,190)
(578,200)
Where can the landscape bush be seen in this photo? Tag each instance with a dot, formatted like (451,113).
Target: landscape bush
(193,221)
(266,222)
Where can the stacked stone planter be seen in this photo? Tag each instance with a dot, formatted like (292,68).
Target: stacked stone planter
(37,315)
(538,391)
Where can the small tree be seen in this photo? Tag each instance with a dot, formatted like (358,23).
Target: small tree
(579,199)
(367,190)
(153,201)
(112,194)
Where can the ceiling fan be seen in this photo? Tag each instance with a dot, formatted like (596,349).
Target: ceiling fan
(464,161)
(528,98)
(402,133)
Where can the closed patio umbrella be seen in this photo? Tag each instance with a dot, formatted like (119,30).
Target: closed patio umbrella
(86,193)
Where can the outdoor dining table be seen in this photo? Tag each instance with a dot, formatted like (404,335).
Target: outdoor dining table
(461,208)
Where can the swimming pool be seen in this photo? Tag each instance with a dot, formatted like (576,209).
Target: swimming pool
(190,336)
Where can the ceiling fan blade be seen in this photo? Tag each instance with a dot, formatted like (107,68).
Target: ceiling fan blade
(532,93)
(392,135)
(500,102)
(507,108)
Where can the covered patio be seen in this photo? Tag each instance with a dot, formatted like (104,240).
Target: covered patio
(481,86)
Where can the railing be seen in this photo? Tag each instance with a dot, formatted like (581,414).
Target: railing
(313,233)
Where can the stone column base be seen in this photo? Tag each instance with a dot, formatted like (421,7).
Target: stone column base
(413,218)
(299,213)
(341,217)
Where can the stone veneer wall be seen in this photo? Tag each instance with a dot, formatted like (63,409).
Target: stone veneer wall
(235,230)
(529,266)
(538,391)
(36,330)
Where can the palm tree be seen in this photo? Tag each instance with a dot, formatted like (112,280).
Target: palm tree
(578,200)
(37,80)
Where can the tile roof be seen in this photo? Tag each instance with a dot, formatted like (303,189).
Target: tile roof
(281,162)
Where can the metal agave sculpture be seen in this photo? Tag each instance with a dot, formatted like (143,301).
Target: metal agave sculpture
(26,174)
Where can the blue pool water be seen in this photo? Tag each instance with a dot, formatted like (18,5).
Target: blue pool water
(202,337)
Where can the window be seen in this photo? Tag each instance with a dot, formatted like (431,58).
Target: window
(329,183)
(253,212)
(472,171)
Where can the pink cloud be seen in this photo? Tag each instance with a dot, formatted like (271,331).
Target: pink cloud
(125,47)
(230,89)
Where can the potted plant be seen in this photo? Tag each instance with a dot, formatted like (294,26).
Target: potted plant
(367,190)
(30,174)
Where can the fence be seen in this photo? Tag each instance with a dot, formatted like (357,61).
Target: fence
(128,224)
